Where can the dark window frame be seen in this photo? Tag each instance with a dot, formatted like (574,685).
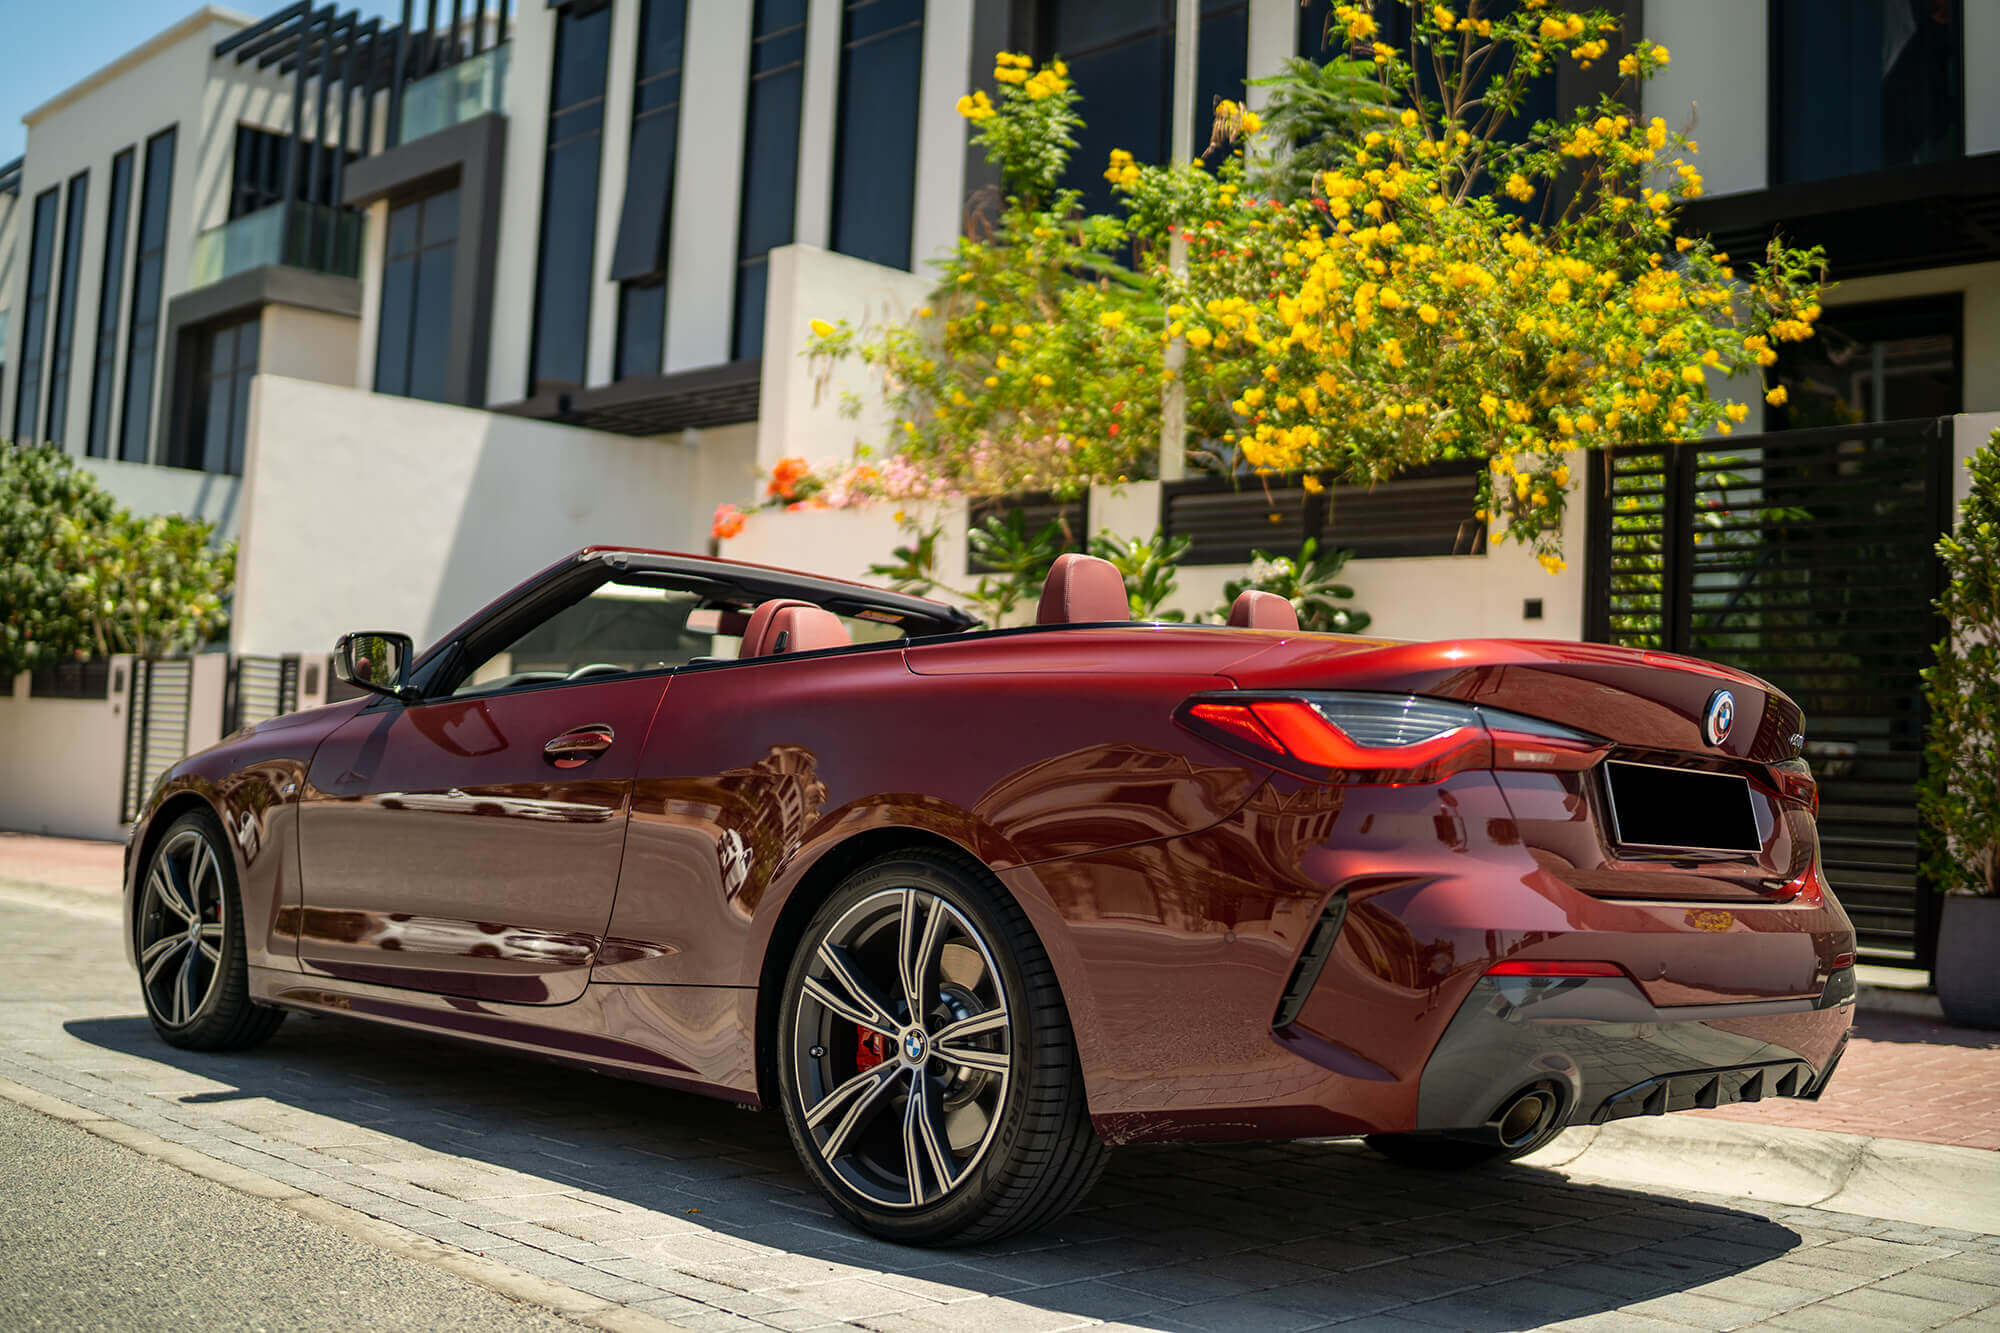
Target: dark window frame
(1776,103)
(575,126)
(191,446)
(425,362)
(765,93)
(849,235)
(640,254)
(1946,309)
(143,335)
(44,224)
(62,329)
(110,303)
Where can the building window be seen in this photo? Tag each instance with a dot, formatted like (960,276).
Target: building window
(35,316)
(560,352)
(1121,58)
(875,157)
(223,362)
(1862,85)
(770,160)
(148,268)
(111,292)
(639,260)
(413,343)
(65,322)
(1892,361)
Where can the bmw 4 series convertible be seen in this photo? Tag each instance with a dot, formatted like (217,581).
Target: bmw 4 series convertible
(973,906)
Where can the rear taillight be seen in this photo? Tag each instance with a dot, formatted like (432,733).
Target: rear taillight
(1808,889)
(1383,739)
(1795,783)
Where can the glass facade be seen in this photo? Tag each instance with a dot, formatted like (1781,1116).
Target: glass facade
(770,161)
(875,152)
(35,316)
(558,356)
(217,423)
(69,270)
(110,296)
(639,260)
(156,192)
(1862,85)
(420,256)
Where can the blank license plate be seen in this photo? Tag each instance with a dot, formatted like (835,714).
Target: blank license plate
(1660,807)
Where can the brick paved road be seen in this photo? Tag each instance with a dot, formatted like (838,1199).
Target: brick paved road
(695,1211)
(1903,1078)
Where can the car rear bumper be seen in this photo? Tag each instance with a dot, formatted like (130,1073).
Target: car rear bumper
(1609,1053)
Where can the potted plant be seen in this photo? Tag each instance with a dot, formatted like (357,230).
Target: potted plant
(1959,797)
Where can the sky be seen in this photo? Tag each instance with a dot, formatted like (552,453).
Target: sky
(52,44)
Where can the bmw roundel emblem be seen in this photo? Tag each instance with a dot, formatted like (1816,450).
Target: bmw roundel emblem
(913,1046)
(1719,716)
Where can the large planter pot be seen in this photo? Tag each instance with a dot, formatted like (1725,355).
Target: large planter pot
(1968,961)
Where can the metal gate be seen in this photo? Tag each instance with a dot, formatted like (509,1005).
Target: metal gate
(260,688)
(156,726)
(1804,557)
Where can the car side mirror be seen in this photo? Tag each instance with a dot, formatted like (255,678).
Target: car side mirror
(377,661)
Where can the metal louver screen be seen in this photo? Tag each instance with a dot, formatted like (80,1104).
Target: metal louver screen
(1427,513)
(156,726)
(1804,557)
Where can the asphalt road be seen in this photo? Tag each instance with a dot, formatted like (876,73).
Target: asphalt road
(95,1236)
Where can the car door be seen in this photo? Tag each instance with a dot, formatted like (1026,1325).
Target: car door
(471,846)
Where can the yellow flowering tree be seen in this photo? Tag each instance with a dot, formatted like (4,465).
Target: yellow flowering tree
(1451,285)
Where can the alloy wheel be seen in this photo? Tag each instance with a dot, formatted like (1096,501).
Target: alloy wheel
(182,926)
(902,1048)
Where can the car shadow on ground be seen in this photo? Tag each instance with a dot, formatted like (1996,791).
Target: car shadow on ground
(1207,1236)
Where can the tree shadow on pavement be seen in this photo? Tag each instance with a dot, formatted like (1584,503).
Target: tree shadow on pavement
(1258,1236)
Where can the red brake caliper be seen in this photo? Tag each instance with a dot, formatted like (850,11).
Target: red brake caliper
(870,1049)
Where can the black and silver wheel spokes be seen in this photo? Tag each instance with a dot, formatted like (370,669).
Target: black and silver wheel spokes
(902,1047)
(181,926)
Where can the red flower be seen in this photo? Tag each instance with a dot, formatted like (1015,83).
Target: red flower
(785,477)
(728,522)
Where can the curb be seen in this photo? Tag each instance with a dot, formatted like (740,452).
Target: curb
(1928,1184)
(508,1281)
(1897,1000)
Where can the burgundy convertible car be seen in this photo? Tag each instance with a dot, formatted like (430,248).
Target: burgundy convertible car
(971,905)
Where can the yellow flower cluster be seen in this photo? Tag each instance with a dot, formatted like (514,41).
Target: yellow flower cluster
(1123,171)
(1355,21)
(1011,67)
(976,106)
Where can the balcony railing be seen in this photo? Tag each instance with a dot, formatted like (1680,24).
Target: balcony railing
(472,87)
(297,235)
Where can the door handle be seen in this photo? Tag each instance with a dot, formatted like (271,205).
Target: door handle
(579,745)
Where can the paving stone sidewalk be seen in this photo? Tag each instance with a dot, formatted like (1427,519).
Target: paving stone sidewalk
(696,1212)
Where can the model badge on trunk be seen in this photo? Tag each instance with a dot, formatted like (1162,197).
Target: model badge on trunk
(1719,716)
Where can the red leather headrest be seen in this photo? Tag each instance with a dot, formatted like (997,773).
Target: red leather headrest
(1262,610)
(1082,588)
(805,629)
(757,638)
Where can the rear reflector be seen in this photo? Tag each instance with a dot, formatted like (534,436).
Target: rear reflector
(1554,967)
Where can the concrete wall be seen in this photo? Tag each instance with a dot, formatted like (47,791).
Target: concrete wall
(799,412)
(1969,433)
(309,345)
(1716,85)
(362,510)
(62,761)
(145,489)
(1427,597)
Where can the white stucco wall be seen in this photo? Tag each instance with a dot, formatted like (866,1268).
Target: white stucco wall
(309,344)
(1982,76)
(708,188)
(363,510)
(146,489)
(1716,85)
(62,761)
(798,415)
(1969,432)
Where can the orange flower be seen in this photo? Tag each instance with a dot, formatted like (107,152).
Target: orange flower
(786,476)
(728,522)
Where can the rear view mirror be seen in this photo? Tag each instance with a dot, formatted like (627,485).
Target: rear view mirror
(375,660)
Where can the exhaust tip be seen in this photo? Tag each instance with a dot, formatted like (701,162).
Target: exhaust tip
(1525,1118)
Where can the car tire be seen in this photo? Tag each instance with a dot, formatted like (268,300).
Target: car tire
(979,1128)
(188,938)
